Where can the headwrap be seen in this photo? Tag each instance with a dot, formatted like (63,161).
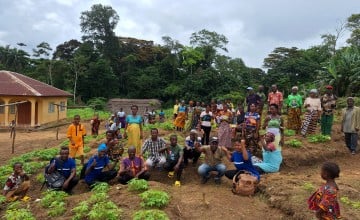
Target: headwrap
(102,147)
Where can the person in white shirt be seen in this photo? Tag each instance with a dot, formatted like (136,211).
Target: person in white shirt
(205,121)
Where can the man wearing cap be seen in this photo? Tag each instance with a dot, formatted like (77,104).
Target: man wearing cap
(213,160)
(94,168)
(328,104)
(275,97)
(189,149)
(350,124)
(252,98)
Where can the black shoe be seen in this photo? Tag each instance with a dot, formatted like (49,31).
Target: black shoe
(217,181)
(204,180)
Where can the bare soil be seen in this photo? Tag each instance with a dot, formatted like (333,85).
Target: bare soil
(281,196)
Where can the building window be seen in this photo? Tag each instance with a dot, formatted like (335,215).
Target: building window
(62,106)
(51,108)
(12,109)
(2,108)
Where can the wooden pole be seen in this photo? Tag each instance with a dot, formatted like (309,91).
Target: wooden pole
(58,118)
(14,130)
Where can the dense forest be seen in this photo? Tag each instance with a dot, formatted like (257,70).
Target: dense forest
(105,65)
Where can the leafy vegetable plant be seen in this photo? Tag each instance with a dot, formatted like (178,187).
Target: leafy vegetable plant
(152,214)
(19,214)
(105,210)
(294,143)
(138,185)
(154,198)
(52,196)
(289,132)
(81,210)
(318,138)
(100,187)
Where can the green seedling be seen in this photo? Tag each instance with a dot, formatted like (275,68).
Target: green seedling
(154,198)
(152,214)
(98,197)
(319,138)
(294,143)
(105,210)
(57,208)
(81,210)
(19,214)
(138,185)
(289,132)
(100,187)
(52,196)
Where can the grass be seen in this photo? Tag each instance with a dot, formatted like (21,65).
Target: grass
(87,113)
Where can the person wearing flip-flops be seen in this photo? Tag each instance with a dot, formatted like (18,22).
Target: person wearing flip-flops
(17,185)
(174,159)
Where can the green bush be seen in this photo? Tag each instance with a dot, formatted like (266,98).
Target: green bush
(318,138)
(154,198)
(81,210)
(86,114)
(152,214)
(294,143)
(100,188)
(289,132)
(105,210)
(138,185)
(19,214)
(98,103)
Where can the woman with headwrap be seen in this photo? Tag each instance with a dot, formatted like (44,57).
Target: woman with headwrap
(312,114)
(272,157)
(293,105)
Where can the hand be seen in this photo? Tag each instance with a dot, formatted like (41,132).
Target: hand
(65,185)
(93,164)
(176,168)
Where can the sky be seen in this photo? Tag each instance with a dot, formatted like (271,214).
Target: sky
(254,28)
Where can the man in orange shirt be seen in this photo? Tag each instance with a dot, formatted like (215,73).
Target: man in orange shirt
(76,133)
(275,97)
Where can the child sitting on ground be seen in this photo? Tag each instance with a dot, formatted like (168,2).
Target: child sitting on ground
(17,185)
(324,201)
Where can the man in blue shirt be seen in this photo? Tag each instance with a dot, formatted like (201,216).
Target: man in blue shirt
(94,168)
(65,166)
(241,158)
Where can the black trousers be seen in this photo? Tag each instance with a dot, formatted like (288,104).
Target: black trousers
(191,154)
(104,176)
(125,178)
(169,166)
(73,182)
(206,137)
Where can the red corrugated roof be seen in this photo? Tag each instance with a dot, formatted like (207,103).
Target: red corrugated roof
(12,83)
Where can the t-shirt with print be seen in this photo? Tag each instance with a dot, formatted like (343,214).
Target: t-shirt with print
(191,143)
(251,119)
(64,167)
(101,162)
(241,164)
(174,153)
(206,118)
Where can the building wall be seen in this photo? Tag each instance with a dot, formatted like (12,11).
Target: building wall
(45,112)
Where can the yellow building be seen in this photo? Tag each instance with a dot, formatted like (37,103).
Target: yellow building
(37,101)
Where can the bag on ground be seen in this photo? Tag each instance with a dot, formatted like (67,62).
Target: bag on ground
(244,183)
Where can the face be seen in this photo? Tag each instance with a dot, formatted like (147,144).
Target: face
(324,174)
(252,108)
(64,154)
(273,88)
(192,136)
(131,153)
(207,108)
(268,138)
(134,110)
(237,146)
(225,108)
(76,120)
(173,141)
(312,94)
(154,134)
(328,91)
(350,102)
(261,88)
(18,169)
(214,145)
(102,153)
(294,90)
(250,91)
(109,136)
(273,110)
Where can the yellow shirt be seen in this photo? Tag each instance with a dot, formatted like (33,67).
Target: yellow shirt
(76,134)
(176,107)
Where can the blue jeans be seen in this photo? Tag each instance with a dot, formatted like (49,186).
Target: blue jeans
(351,141)
(204,170)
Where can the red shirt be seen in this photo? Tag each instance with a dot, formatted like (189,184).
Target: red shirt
(275,98)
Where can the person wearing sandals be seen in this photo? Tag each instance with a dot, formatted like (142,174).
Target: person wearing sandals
(174,159)
(17,185)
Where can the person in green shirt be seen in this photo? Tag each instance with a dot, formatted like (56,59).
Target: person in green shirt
(174,159)
(294,103)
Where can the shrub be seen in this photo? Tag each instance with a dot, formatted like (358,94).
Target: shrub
(294,143)
(138,185)
(98,103)
(154,198)
(105,210)
(289,132)
(19,214)
(318,138)
(52,196)
(100,188)
(81,210)
(152,214)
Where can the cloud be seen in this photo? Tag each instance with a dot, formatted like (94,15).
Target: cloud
(254,28)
